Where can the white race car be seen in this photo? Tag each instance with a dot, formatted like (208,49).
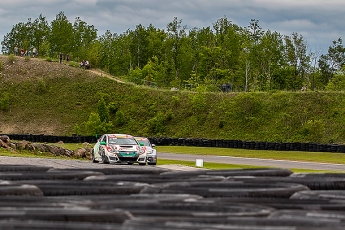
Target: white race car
(116,148)
(149,155)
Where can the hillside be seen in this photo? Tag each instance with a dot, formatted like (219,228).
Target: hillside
(51,98)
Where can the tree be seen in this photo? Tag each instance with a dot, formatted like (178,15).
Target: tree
(333,61)
(40,32)
(61,38)
(176,32)
(84,37)
(103,111)
(20,36)
(297,58)
(138,46)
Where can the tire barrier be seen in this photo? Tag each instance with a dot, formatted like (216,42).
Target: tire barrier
(166,141)
(312,183)
(25,168)
(134,197)
(265,172)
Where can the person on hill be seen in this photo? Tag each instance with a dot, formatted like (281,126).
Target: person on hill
(223,87)
(228,87)
(16,53)
(34,52)
(87,64)
(60,57)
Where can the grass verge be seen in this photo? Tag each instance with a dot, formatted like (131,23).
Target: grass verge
(337,158)
(322,157)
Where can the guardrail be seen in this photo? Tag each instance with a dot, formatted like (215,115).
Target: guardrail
(166,141)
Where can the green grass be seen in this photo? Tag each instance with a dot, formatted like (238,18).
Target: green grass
(218,166)
(29,154)
(64,96)
(278,155)
(324,157)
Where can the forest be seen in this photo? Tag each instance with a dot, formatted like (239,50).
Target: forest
(250,59)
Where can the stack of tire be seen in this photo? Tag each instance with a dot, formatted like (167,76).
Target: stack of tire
(134,197)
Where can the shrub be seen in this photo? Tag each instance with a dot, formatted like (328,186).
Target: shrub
(41,87)
(156,124)
(11,59)
(94,125)
(112,107)
(120,118)
(5,102)
(103,110)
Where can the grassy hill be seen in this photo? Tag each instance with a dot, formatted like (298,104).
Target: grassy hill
(50,98)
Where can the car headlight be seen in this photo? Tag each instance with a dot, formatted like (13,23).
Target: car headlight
(111,149)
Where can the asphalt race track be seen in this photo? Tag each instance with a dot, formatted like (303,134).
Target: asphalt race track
(254,161)
(76,194)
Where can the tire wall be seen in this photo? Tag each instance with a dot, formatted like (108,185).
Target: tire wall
(166,141)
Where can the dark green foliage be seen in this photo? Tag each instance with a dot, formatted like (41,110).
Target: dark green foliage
(113,108)
(103,111)
(11,59)
(120,119)
(250,58)
(41,87)
(157,124)
(221,124)
(94,125)
(4,102)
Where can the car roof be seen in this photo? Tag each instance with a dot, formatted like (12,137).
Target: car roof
(119,136)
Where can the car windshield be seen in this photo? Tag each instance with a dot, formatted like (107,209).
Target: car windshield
(122,141)
(145,142)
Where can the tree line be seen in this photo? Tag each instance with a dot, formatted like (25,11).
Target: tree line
(249,58)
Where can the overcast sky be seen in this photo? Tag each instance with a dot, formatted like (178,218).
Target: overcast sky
(318,21)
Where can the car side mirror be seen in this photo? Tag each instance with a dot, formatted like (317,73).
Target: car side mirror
(153,145)
(102,143)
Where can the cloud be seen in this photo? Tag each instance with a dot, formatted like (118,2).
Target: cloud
(320,22)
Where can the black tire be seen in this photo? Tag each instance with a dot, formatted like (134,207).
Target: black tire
(313,183)
(68,215)
(257,223)
(24,168)
(49,175)
(104,157)
(39,225)
(263,172)
(152,163)
(20,190)
(330,195)
(93,156)
(228,189)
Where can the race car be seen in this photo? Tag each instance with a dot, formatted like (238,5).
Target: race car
(149,155)
(116,148)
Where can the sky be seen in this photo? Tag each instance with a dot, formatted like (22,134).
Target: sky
(319,22)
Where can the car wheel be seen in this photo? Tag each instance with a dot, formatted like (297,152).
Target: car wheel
(104,157)
(93,157)
(152,163)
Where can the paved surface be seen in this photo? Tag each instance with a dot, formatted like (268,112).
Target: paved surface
(253,161)
(58,163)
(79,164)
